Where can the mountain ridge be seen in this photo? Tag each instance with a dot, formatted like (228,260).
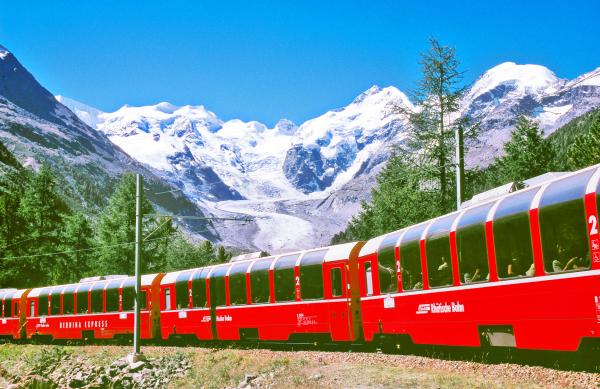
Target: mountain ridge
(301,183)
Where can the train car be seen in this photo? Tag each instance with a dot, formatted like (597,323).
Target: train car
(302,295)
(521,270)
(12,314)
(100,308)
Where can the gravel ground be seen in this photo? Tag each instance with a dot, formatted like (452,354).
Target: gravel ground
(23,366)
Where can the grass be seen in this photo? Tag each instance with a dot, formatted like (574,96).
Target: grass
(219,368)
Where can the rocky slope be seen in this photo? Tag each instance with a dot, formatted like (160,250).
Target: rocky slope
(38,129)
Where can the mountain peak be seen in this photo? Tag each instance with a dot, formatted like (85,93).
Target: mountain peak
(369,92)
(286,127)
(3,52)
(166,107)
(526,78)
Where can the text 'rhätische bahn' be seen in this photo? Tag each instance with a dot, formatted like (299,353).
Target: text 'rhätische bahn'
(519,270)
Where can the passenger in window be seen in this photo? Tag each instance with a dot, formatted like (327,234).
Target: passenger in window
(476,276)
(407,282)
(514,268)
(444,272)
(386,276)
(557,264)
(531,271)
(418,285)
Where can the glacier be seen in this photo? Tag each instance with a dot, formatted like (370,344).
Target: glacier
(303,183)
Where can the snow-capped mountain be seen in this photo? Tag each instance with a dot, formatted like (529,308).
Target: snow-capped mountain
(304,183)
(38,130)
(329,150)
(203,155)
(508,90)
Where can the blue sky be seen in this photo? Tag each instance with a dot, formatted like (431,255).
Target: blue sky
(267,60)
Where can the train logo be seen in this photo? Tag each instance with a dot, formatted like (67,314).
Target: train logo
(304,320)
(595,245)
(453,307)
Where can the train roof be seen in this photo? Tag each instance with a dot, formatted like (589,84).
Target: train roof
(11,293)
(146,280)
(536,183)
(333,253)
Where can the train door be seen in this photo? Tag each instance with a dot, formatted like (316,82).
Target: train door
(340,317)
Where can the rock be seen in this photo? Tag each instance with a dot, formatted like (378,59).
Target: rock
(248,378)
(316,377)
(136,366)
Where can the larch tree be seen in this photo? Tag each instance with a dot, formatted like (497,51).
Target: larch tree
(116,232)
(527,153)
(433,124)
(585,151)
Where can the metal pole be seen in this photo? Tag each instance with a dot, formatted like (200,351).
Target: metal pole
(138,260)
(458,166)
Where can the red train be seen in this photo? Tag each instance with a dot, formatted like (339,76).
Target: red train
(521,270)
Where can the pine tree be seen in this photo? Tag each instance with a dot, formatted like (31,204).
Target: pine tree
(432,127)
(527,153)
(76,238)
(116,233)
(12,226)
(222,255)
(183,254)
(42,212)
(585,151)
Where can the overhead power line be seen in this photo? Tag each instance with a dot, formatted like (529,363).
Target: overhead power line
(83,250)
(243,219)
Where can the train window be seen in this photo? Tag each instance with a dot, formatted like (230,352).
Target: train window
(43,302)
(471,245)
(259,281)
(217,286)
(311,275)
(386,257)
(563,225)
(143,300)
(68,299)
(182,290)
(167,299)
(82,299)
(199,288)
(410,258)
(7,307)
(237,283)
(97,303)
(32,308)
(55,301)
(512,236)
(368,278)
(437,249)
(128,296)
(285,285)
(337,288)
(112,296)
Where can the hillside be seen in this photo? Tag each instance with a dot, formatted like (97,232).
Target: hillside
(562,138)
(39,130)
